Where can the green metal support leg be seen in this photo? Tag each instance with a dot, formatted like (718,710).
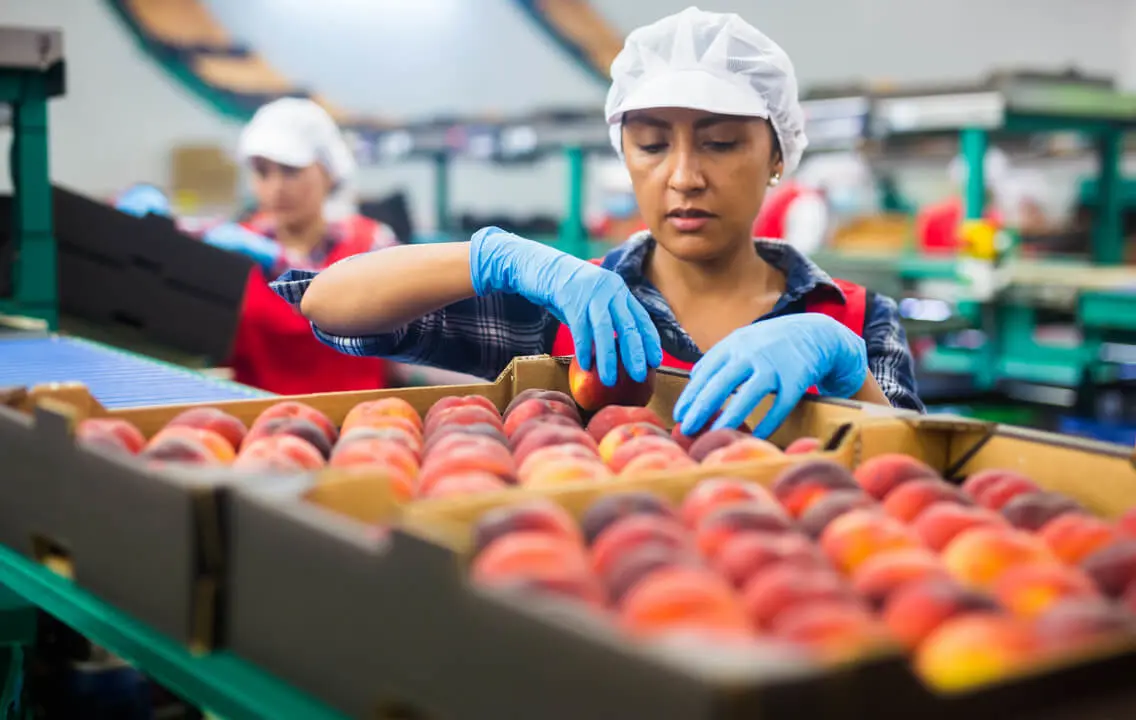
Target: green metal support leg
(1108,235)
(973,143)
(35,272)
(573,239)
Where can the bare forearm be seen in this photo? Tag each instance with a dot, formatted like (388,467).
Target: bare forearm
(870,392)
(383,291)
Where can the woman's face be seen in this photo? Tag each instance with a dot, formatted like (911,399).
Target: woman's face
(699,178)
(291,196)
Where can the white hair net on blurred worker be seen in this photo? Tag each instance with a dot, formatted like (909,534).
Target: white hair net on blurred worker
(995,169)
(298,133)
(715,62)
(845,179)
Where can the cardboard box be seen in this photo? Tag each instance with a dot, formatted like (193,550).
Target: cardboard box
(204,173)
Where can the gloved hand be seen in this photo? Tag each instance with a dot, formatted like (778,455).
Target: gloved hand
(235,238)
(142,200)
(786,355)
(595,303)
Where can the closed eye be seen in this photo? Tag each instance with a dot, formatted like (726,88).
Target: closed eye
(722,146)
(653,148)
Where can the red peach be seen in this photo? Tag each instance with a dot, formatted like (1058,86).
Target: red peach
(682,597)
(551,436)
(441,445)
(1031,511)
(467,483)
(214,442)
(368,452)
(366,412)
(1073,537)
(803,446)
(280,452)
(981,555)
(977,483)
(854,537)
(1078,623)
(883,473)
(1127,522)
(487,456)
(654,461)
(565,472)
(591,394)
(625,433)
(463,415)
(882,575)
(542,516)
(535,408)
(455,401)
(1030,590)
(914,611)
(906,502)
(633,531)
(554,454)
(294,409)
(712,440)
(531,425)
(942,521)
(1005,489)
(744,555)
(686,442)
(215,419)
(713,493)
(973,650)
(298,426)
(832,505)
(125,435)
(742,451)
(836,629)
(610,508)
(633,448)
(640,562)
(410,440)
(528,554)
(726,522)
(801,485)
(771,592)
(179,449)
(538,394)
(612,416)
(1112,567)
(583,588)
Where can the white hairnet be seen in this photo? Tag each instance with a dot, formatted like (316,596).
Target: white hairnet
(708,61)
(995,169)
(298,133)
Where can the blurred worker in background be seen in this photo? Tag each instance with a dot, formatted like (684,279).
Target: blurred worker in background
(937,225)
(301,172)
(703,109)
(619,216)
(828,191)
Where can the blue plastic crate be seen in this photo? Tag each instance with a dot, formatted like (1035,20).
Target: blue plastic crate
(116,378)
(1117,433)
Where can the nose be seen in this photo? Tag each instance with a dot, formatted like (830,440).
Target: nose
(686,174)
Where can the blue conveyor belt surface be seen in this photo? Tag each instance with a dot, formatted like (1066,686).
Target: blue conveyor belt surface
(116,378)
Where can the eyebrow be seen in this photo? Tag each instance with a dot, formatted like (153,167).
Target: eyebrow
(700,124)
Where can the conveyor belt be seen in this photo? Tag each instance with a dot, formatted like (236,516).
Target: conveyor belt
(115,378)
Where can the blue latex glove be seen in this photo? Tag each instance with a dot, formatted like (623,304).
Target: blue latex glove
(786,355)
(234,238)
(142,200)
(595,303)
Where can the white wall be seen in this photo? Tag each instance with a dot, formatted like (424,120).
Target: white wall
(408,58)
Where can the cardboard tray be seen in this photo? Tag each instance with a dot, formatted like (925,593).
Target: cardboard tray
(391,626)
(1100,476)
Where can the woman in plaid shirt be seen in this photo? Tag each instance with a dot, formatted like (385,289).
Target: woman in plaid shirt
(703,109)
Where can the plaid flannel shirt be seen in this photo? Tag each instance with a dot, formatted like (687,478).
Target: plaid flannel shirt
(479,336)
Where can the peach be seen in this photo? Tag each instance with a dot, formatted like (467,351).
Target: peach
(640,562)
(441,445)
(1031,511)
(974,650)
(292,408)
(981,555)
(528,555)
(711,440)
(535,408)
(801,485)
(563,472)
(1004,489)
(410,440)
(1112,567)
(1129,599)
(532,424)
(883,473)
(179,449)
(1078,623)
(881,576)
(915,610)
(832,505)
(625,433)
(610,508)
(371,452)
(538,394)
(487,456)
(215,419)
(747,450)
(633,448)
(1030,590)
(687,441)
(125,435)
(1073,537)
(462,415)
(775,590)
(1127,522)
(366,412)
(551,436)
(383,422)
(682,597)
(583,588)
(541,516)
(744,555)
(657,461)
(298,426)
(554,454)
(634,531)
(281,452)
(803,446)
(456,401)
(612,416)
(854,537)
(713,493)
(835,629)
(214,442)
(906,502)
(591,394)
(942,521)
(727,522)
(977,483)
(468,483)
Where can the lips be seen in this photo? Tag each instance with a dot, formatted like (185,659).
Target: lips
(690,213)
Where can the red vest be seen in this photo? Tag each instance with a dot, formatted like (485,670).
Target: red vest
(770,222)
(850,312)
(275,349)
